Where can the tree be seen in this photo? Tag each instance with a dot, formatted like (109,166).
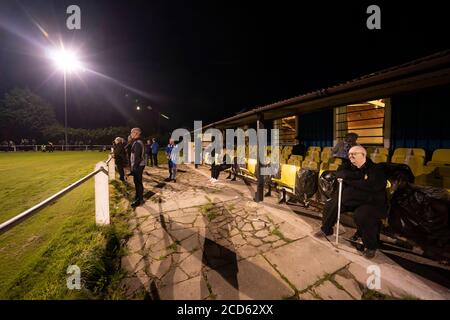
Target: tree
(25,114)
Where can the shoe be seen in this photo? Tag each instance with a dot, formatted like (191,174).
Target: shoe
(214,180)
(228,177)
(234,179)
(175,180)
(321,234)
(137,203)
(355,237)
(369,254)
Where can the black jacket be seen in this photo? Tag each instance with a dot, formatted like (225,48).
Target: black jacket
(299,150)
(365,185)
(137,158)
(120,155)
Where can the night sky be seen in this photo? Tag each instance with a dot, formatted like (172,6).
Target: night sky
(205,60)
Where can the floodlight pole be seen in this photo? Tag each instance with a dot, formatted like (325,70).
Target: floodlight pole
(65,111)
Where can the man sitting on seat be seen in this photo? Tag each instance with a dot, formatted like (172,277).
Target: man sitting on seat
(364,193)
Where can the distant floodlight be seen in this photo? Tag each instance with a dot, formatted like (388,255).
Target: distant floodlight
(138,108)
(149,108)
(163,115)
(65,60)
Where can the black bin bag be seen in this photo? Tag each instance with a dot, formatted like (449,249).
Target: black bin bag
(306,184)
(327,184)
(421,214)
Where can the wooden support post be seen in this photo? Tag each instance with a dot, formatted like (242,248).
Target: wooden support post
(259,196)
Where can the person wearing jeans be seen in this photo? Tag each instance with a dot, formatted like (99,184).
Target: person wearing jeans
(171,153)
(154,153)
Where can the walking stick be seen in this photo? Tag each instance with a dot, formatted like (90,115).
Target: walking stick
(339,210)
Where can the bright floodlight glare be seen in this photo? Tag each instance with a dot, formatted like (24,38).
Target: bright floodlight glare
(65,60)
(138,108)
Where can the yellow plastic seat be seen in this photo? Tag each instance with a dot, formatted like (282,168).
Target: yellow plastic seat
(309,164)
(415,163)
(251,168)
(294,162)
(314,148)
(288,175)
(370,150)
(378,157)
(327,149)
(313,156)
(384,151)
(403,152)
(441,157)
(296,158)
(325,156)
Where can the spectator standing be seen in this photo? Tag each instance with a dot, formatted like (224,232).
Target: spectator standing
(120,156)
(171,153)
(148,152)
(154,153)
(137,165)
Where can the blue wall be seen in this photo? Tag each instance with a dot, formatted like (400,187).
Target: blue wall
(421,120)
(316,129)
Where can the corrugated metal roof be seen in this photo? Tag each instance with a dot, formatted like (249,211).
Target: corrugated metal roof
(426,64)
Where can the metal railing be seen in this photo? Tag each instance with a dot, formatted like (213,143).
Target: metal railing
(101,196)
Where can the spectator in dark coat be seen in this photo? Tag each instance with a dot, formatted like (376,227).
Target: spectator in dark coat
(120,156)
(299,148)
(340,150)
(137,165)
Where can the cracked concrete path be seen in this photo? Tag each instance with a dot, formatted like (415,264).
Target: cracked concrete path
(199,240)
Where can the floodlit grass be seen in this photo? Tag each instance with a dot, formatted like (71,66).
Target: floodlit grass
(35,254)
(30,177)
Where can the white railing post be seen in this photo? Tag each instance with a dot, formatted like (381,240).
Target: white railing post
(101,195)
(112,169)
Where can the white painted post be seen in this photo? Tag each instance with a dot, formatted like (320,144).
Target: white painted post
(112,169)
(101,195)
(35,148)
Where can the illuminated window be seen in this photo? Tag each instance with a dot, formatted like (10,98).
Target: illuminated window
(365,119)
(288,130)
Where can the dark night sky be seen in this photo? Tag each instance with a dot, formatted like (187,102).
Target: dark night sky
(206,60)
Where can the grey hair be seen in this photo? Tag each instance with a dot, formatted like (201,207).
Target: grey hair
(359,149)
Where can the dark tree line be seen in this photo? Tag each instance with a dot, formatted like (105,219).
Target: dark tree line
(23,114)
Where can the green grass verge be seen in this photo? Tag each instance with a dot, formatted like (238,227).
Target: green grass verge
(35,254)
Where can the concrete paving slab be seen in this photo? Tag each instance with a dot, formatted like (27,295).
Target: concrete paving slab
(349,285)
(252,278)
(191,289)
(328,291)
(305,261)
